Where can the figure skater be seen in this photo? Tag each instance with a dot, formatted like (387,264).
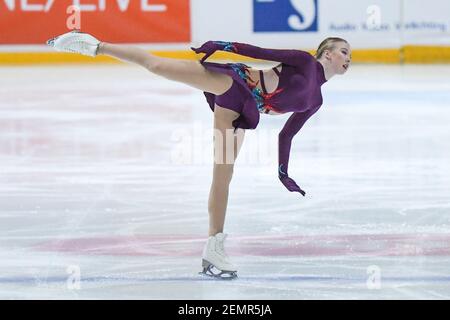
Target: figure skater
(237,94)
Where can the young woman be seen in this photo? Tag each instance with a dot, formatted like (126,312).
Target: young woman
(237,94)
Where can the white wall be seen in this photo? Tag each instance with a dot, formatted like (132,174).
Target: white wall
(230,23)
(424,22)
(427,22)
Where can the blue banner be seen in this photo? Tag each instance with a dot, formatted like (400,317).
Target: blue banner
(285,15)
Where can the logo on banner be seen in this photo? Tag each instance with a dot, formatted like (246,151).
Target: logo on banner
(285,15)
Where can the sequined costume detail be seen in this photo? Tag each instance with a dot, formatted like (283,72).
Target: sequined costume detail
(263,100)
(227,46)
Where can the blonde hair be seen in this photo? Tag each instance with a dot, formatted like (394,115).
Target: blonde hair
(328,44)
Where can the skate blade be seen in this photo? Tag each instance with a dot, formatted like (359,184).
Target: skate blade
(209,270)
(224,276)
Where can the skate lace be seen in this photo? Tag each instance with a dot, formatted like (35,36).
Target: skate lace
(77,44)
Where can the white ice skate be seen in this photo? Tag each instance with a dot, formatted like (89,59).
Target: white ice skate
(75,42)
(215,261)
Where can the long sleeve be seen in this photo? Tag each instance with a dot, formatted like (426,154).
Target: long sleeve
(290,129)
(291,57)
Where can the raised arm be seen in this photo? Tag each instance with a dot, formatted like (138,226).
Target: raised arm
(292,57)
(290,129)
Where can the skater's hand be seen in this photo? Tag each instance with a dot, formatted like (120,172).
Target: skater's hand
(209,47)
(290,184)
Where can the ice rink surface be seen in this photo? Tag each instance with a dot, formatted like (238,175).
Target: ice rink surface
(105,173)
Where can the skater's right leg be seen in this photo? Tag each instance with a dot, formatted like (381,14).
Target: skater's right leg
(188,72)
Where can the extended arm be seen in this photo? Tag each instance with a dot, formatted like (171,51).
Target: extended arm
(292,57)
(290,129)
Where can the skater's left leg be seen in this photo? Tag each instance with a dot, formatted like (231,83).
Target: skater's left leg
(191,73)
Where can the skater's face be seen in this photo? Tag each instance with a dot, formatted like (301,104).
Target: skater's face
(339,57)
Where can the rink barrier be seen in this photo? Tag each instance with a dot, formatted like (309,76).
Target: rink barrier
(426,54)
(117,279)
(407,54)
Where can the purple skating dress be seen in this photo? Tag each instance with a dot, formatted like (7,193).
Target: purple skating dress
(299,91)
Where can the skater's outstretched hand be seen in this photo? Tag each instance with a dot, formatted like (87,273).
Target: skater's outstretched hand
(209,47)
(290,184)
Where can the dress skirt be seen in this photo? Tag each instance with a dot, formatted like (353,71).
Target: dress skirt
(239,98)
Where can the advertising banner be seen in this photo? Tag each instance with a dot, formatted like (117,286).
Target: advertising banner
(121,21)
